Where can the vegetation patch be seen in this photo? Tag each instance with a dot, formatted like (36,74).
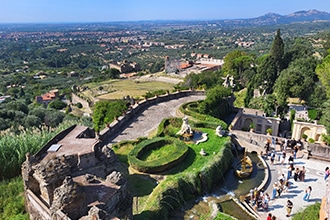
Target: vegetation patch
(310,213)
(144,156)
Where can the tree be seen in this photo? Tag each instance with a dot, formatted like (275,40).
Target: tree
(57,104)
(39,111)
(17,106)
(323,72)
(32,121)
(114,73)
(215,103)
(301,48)
(266,74)
(277,51)
(297,80)
(105,111)
(53,118)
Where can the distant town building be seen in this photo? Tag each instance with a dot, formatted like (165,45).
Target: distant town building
(47,97)
(3,98)
(172,65)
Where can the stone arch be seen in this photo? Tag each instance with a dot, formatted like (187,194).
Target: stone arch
(305,130)
(318,137)
(247,123)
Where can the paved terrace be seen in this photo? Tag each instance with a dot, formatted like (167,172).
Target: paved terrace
(314,178)
(296,192)
(150,119)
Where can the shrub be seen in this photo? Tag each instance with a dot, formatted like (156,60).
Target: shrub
(311,140)
(269,131)
(310,213)
(304,136)
(158,165)
(190,109)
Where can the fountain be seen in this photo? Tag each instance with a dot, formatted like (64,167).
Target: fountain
(188,134)
(225,194)
(245,167)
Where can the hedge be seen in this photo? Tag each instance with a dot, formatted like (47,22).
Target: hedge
(190,109)
(162,164)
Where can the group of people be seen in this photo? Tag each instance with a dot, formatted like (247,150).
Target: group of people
(297,173)
(259,199)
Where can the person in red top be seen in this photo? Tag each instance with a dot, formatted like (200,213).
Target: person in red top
(269,217)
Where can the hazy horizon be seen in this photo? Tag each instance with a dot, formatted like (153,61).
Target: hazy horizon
(94,11)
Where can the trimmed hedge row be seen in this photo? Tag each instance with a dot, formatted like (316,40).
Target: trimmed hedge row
(191,108)
(162,164)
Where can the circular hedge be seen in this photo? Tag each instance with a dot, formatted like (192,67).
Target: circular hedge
(161,164)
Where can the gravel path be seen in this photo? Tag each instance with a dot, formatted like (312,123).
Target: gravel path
(149,120)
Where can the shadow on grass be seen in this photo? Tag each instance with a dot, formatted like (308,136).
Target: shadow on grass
(187,162)
(141,184)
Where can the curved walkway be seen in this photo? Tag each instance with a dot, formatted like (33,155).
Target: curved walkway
(149,120)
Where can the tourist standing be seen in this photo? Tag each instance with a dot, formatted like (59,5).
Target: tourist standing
(302,174)
(326,173)
(308,192)
(296,174)
(274,191)
(289,206)
(272,157)
(290,170)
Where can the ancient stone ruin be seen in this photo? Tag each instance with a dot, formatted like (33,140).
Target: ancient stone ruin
(75,176)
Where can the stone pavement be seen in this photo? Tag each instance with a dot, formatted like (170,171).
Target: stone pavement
(314,178)
(150,119)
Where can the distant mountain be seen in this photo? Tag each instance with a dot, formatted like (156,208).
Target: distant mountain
(273,19)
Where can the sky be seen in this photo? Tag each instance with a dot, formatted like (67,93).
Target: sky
(59,11)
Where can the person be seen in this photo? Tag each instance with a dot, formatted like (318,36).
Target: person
(269,217)
(307,195)
(290,169)
(289,206)
(295,150)
(283,157)
(291,157)
(302,174)
(272,157)
(296,174)
(265,201)
(267,146)
(274,191)
(273,217)
(279,189)
(326,173)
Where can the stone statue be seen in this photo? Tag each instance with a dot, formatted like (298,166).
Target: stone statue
(231,83)
(219,131)
(226,82)
(202,152)
(185,127)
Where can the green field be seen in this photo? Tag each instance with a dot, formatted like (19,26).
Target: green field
(117,89)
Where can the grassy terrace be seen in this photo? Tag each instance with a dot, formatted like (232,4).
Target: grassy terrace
(117,89)
(171,189)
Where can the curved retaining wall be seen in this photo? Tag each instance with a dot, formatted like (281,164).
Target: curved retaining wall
(124,120)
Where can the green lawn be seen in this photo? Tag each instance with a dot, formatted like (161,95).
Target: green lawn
(117,89)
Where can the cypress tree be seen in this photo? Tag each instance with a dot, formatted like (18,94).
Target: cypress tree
(277,51)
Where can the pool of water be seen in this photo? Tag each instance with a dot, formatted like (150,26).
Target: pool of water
(232,186)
